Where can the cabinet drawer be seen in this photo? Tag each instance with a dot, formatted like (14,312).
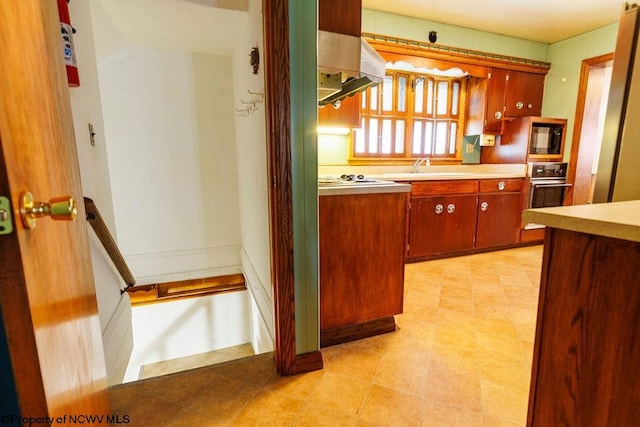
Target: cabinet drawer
(499,185)
(434,188)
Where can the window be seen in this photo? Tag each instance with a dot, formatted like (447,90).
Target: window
(410,115)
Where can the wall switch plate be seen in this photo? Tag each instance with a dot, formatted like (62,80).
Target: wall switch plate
(487,140)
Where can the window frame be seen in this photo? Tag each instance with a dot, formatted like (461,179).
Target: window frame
(409,117)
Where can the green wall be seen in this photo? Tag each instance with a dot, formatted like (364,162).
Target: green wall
(418,29)
(561,84)
(304,159)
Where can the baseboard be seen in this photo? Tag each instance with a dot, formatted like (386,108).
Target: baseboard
(117,340)
(358,331)
(259,296)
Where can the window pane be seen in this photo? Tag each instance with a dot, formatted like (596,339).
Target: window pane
(374,98)
(399,136)
(386,137)
(452,138)
(373,136)
(417,138)
(387,93)
(363,98)
(418,94)
(359,138)
(428,137)
(402,93)
(455,98)
(430,98)
(441,138)
(443,89)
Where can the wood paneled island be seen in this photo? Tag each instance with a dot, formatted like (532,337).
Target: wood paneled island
(587,346)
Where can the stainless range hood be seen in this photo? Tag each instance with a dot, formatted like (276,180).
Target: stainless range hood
(346,65)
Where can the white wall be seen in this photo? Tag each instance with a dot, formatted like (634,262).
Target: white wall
(185,327)
(113,308)
(253,183)
(169,123)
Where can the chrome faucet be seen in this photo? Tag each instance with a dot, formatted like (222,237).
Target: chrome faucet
(426,160)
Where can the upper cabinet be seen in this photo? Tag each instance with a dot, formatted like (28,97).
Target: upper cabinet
(340,16)
(503,95)
(347,115)
(523,94)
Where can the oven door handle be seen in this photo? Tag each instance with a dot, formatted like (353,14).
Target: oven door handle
(549,185)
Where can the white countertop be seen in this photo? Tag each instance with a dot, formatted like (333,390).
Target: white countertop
(430,173)
(619,220)
(362,188)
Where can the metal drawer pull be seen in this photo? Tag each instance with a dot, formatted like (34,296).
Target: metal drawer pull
(501,185)
(484,206)
(451,207)
(439,209)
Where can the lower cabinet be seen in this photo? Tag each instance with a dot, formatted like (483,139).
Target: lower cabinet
(362,251)
(448,217)
(442,224)
(498,212)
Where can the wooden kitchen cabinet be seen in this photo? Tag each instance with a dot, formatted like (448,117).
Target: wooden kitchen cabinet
(503,95)
(442,218)
(347,116)
(523,94)
(498,212)
(362,249)
(340,16)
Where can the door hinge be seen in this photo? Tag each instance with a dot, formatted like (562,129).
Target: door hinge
(6,221)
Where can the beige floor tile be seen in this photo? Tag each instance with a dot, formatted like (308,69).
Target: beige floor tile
(187,418)
(517,374)
(458,388)
(437,414)
(341,393)
(302,385)
(319,416)
(269,408)
(407,373)
(355,363)
(386,407)
(505,401)
(148,411)
(222,399)
(496,422)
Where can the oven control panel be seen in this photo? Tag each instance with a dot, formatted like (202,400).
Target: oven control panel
(547,170)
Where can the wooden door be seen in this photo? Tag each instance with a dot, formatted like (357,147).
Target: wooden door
(523,94)
(47,294)
(498,219)
(495,101)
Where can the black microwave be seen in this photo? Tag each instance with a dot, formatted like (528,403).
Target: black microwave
(546,138)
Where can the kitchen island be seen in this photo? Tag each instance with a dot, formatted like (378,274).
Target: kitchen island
(362,230)
(587,345)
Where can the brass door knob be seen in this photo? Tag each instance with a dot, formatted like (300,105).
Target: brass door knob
(62,208)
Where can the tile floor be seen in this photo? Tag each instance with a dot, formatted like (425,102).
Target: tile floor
(461,357)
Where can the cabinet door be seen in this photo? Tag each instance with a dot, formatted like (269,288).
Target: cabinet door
(523,94)
(498,219)
(495,100)
(348,115)
(442,224)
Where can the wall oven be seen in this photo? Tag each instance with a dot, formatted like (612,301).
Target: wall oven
(547,186)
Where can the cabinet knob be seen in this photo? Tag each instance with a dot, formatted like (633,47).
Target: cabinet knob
(498,115)
(451,208)
(484,206)
(501,185)
(529,106)
(439,209)
(519,105)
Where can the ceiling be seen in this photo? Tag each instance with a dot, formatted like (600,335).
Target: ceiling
(209,25)
(546,21)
